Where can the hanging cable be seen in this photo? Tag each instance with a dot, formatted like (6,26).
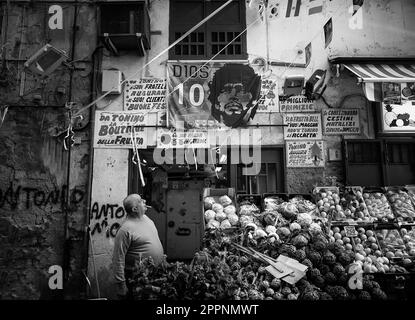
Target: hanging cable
(157,56)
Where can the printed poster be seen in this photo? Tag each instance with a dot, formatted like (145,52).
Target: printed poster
(341,121)
(117,129)
(305,154)
(302,126)
(391,92)
(398,117)
(214,94)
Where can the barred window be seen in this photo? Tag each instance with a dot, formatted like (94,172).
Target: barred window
(213,36)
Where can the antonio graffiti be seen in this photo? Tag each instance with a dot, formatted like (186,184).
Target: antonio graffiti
(29,196)
(108,213)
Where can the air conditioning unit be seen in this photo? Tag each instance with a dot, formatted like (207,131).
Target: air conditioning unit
(125,26)
(46,60)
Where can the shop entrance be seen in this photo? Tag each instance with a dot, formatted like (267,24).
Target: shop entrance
(380,162)
(271,177)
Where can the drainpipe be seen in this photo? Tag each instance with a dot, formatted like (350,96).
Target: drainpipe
(66,249)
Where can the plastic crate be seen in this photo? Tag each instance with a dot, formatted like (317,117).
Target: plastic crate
(306,196)
(382,213)
(251,198)
(401,203)
(277,196)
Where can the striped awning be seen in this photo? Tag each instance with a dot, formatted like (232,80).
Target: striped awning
(383,72)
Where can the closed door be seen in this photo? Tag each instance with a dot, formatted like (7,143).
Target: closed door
(184,219)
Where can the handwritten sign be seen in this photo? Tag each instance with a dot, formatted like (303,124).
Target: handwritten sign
(268,101)
(350,231)
(305,154)
(297,104)
(116,129)
(341,121)
(170,138)
(302,126)
(145,94)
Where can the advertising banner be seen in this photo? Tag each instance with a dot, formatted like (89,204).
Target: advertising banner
(117,129)
(214,94)
(302,126)
(305,154)
(341,121)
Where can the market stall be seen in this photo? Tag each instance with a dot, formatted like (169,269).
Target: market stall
(334,244)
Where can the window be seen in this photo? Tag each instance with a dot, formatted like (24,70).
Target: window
(270,178)
(211,37)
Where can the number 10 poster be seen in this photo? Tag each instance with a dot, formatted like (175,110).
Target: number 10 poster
(213,94)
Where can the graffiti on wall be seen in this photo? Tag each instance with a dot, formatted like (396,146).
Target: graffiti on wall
(14,196)
(106,219)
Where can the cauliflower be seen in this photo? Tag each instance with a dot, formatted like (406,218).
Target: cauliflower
(295,227)
(213,224)
(209,215)
(225,200)
(304,219)
(245,220)
(217,207)
(248,209)
(208,202)
(229,210)
(233,219)
(315,228)
(220,216)
(225,224)
(271,229)
(259,233)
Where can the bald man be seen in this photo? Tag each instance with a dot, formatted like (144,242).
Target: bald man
(137,237)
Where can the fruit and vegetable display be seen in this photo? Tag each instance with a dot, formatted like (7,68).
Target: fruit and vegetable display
(328,203)
(231,263)
(408,236)
(401,204)
(220,214)
(353,206)
(222,272)
(378,206)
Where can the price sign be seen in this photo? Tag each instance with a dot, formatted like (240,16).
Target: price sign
(350,231)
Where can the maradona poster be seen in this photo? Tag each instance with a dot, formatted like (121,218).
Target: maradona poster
(214,94)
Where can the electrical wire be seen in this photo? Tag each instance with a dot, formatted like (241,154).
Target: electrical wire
(157,56)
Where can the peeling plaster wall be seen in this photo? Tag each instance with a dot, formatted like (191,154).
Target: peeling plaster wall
(33,161)
(110,168)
